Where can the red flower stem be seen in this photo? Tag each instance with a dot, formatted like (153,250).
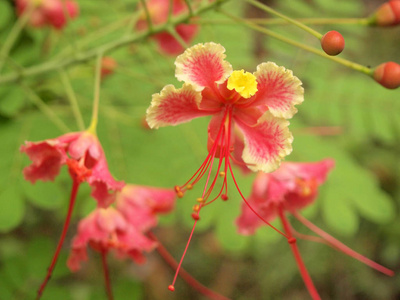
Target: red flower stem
(342,247)
(74,191)
(302,268)
(185,275)
(106,273)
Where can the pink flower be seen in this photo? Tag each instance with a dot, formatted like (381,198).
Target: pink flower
(159,10)
(123,228)
(293,186)
(249,113)
(85,158)
(48,12)
(255,105)
(140,204)
(105,229)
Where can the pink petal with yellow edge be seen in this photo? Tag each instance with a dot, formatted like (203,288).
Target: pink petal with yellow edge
(278,90)
(174,106)
(266,143)
(203,65)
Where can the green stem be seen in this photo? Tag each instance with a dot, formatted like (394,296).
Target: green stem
(14,33)
(276,21)
(290,20)
(282,38)
(170,8)
(72,99)
(71,38)
(109,28)
(150,79)
(148,17)
(96,100)
(177,37)
(189,6)
(84,56)
(132,21)
(43,107)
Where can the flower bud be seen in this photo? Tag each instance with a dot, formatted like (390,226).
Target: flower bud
(388,14)
(388,75)
(108,65)
(332,43)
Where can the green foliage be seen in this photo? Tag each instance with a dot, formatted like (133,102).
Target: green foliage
(346,116)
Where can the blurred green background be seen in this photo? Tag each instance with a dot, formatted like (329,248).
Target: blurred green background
(359,204)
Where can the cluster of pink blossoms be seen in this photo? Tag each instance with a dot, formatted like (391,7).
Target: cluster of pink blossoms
(48,12)
(125,213)
(122,228)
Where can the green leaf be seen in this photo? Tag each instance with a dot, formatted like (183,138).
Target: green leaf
(12,99)
(12,208)
(5,14)
(337,210)
(46,195)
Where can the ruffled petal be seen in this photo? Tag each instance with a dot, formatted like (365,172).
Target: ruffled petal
(312,170)
(47,158)
(174,106)
(248,221)
(203,65)
(75,258)
(266,143)
(140,204)
(278,90)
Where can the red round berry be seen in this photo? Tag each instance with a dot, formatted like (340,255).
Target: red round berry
(388,75)
(388,14)
(332,42)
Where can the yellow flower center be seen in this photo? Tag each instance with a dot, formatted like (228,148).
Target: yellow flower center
(243,82)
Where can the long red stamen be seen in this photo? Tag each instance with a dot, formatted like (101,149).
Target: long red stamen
(185,275)
(74,191)
(251,208)
(207,165)
(207,162)
(342,247)
(107,281)
(303,270)
(171,287)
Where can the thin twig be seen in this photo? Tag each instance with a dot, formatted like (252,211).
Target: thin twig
(72,99)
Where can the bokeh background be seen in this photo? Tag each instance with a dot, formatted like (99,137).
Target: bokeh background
(346,116)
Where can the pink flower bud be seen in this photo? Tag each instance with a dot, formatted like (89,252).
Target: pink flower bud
(388,74)
(332,43)
(388,14)
(108,65)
